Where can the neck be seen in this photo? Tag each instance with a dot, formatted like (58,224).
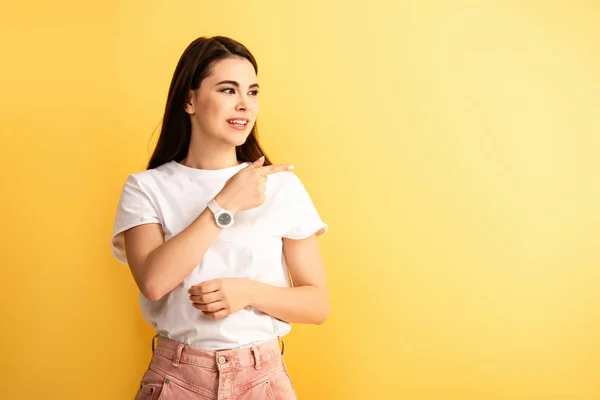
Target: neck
(210,155)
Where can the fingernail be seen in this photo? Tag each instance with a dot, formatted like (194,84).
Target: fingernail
(291,167)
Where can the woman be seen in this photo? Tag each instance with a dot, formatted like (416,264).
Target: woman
(212,232)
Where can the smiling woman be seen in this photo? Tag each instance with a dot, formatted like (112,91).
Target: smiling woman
(212,232)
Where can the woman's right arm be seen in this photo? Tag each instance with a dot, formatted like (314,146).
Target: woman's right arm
(158,266)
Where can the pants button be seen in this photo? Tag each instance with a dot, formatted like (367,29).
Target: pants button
(221,360)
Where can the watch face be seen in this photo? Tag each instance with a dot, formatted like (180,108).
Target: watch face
(224,219)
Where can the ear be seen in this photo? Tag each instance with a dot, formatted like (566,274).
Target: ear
(190,104)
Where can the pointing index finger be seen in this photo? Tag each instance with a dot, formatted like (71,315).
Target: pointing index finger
(271,169)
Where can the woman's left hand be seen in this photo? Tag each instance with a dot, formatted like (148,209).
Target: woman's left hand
(218,298)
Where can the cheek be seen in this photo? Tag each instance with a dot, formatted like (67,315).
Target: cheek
(213,111)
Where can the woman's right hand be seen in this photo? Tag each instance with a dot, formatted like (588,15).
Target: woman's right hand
(246,189)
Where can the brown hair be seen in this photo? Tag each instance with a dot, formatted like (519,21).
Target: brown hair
(194,65)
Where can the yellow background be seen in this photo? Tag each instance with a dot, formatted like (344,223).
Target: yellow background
(452,146)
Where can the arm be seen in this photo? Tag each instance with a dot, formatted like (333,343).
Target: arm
(158,266)
(306,302)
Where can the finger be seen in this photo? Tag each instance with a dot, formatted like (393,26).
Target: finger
(203,289)
(206,298)
(256,164)
(206,287)
(271,169)
(217,314)
(212,307)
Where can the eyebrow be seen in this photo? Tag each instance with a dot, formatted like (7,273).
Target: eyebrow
(234,83)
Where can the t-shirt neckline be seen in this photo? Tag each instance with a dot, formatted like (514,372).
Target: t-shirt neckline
(209,173)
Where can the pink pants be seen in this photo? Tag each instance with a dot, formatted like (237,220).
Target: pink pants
(181,372)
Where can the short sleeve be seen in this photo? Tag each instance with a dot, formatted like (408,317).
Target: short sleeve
(304,217)
(135,208)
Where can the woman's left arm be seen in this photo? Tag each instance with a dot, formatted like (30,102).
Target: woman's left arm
(308,301)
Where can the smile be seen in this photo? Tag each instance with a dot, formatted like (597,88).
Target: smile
(239,124)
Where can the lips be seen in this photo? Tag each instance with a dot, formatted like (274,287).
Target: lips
(238,123)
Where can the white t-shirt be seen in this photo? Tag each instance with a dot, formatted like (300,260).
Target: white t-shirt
(173,196)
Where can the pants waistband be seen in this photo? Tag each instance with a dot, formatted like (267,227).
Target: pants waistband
(219,360)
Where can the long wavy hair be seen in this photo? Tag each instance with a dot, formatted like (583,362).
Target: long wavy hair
(194,65)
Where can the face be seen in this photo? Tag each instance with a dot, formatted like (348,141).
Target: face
(225,106)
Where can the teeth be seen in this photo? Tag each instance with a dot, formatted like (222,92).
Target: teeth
(237,122)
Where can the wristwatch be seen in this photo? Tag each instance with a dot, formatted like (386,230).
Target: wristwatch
(223,218)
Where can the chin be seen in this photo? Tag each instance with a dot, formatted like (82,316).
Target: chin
(236,140)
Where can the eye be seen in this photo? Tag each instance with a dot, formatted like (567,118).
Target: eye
(254,93)
(226,90)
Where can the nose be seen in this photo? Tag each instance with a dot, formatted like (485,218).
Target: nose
(242,104)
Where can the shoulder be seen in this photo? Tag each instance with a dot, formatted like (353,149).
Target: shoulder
(150,177)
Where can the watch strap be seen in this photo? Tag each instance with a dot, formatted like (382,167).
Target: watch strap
(214,207)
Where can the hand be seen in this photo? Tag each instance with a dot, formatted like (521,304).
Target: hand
(218,298)
(246,189)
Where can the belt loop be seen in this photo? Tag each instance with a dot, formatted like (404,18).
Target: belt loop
(256,357)
(282,344)
(153,346)
(178,354)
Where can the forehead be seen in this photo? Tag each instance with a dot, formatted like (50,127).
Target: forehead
(233,69)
